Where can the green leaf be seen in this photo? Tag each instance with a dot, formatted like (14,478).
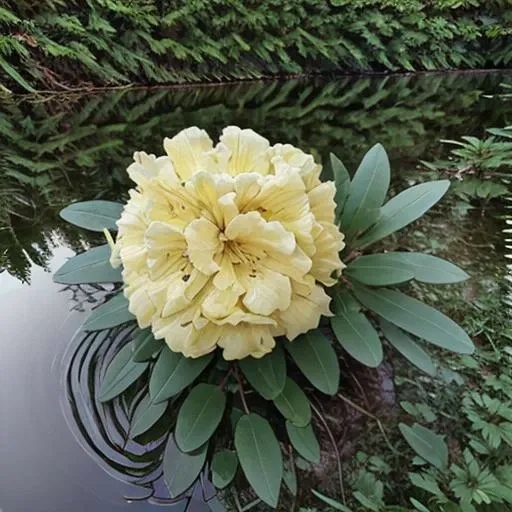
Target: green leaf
(266,375)
(336,505)
(224,466)
(92,266)
(290,480)
(426,444)
(303,439)
(93,215)
(199,416)
(293,404)
(145,416)
(173,372)
(355,332)
(146,346)
(260,457)
(403,209)
(367,191)
(341,181)
(120,375)
(415,317)
(317,360)
(418,506)
(112,313)
(379,270)
(409,348)
(182,469)
(427,483)
(429,269)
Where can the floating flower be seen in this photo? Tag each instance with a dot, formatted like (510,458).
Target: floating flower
(229,245)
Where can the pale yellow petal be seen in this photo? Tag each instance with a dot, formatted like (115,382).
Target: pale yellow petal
(326,260)
(321,201)
(203,244)
(220,303)
(242,341)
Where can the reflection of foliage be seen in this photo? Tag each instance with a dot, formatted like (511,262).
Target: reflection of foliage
(54,44)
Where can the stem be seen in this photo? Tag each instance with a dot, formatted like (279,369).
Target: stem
(241,390)
(225,378)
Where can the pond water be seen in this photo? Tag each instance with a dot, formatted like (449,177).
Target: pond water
(60,149)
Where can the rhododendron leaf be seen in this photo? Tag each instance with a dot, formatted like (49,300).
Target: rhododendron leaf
(224,466)
(290,480)
(199,416)
(314,355)
(355,332)
(93,215)
(426,444)
(146,346)
(415,317)
(303,439)
(403,209)
(293,404)
(173,372)
(266,375)
(112,313)
(182,469)
(121,374)
(341,181)
(260,457)
(92,266)
(367,191)
(378,270)
(145,416)
(409,348)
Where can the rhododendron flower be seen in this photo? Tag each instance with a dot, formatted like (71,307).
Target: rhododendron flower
(227,246)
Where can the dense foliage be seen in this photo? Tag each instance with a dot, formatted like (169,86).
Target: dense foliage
(57,45)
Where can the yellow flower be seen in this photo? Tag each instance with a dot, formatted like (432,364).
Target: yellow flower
(229,245)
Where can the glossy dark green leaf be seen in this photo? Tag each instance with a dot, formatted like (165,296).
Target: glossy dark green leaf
(266,375)
(92,266)
(145,416)
(260,457)
(290,480)
(426,444)
(182,469)
(303,439)
(235,415)
(415,317)
(314,355)
(403,209)
(112,313)
(121,374)
(355,332)
(379,270)
(146,346)
(173,372)
(199,416)
(341,181)
(224,466)
(93,215)
(367,191)
(293,404)
(409,348)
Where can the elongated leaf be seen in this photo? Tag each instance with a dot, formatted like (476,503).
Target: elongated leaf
(379,270)
(314,355)
(112,313)
(224,466)
(121,374)
(408,347)
(303,439)
(173,372)
(336,505)
(341,181)
(93,215)
(415,317)
(260,457)
(403,209)
(182,469)
(426,444)
(293,404)
(146,415)
(266,375)
(429,269)
(290,480)
(199,416)
(367,191)
(91,266)
(355,332)
(146,346)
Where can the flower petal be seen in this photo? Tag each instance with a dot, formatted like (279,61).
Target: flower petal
(203,244)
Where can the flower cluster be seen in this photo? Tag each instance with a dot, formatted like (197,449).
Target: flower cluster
(229,245)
